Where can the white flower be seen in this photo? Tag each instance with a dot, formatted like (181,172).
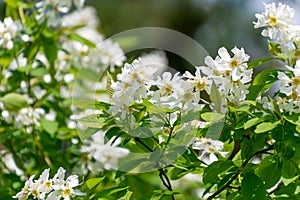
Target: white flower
(274,18)
(169,84)
(26,190)
(50,189)
(86,17)
(8,30)
(20,61)
(291,86)
(156,60)
(208,148)
(10,164)
(107,154)
(111,53)
(132,85)
(200,83)
(235,64)
(29,116)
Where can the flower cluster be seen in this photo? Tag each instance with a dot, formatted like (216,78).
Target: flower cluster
(8,30)
(100,154)
(45,188)
(229,74)
(286,38)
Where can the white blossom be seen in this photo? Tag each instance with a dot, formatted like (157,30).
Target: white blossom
(8,30)
(208,149)
(274,19)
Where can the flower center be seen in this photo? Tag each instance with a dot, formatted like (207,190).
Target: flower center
(227,73)
(67,192)
(211,149)
(168,89)
(296,81)
(48,184)
(295,95)
(200,85)
(236,83)
(234,64)
(217,72)
(188,96)
(273,21)
(35,193)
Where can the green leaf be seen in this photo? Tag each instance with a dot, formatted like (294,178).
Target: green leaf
(31,51)
(190,116)
(50,50)
(212,116)
(14,101)
(266,126)
(263,81)
(177,173)
(88,74)
(5,61)
(289,190)
(213,173)
(84,134)
(253,188)
(111,191)
(215,130)
(269,173)
(12,3)
(254,91)
(275,49)
(49,126)
(259,62)
(249,147)
(252,122)
(289,169)
(293,118)
(39,71)
(93,182)
(266,77)
(215,97)
(93,121)
(82,40)
(91,104)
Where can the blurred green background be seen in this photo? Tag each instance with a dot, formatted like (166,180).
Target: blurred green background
(213,23)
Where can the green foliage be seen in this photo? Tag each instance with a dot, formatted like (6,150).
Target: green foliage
(245,148)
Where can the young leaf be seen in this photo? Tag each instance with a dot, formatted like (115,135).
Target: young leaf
(266,126)
(93,121)
(259,62)
(49,126)
(93,182)
(252,122)
(14,101)
(215,97)
(212,116)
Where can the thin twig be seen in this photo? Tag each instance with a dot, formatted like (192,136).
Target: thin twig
(162,175)
(264,151)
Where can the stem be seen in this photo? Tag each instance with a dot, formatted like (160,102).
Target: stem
(142,143)
(22,16)
(227,185)
(224,186)
(236,149)
(162,175)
